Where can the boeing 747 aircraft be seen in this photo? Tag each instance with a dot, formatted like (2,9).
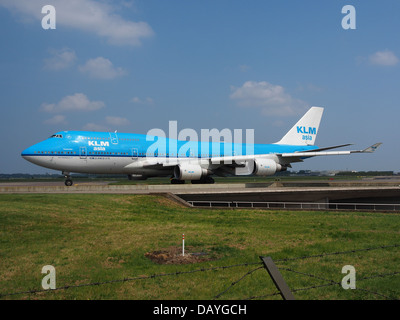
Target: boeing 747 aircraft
(142,156)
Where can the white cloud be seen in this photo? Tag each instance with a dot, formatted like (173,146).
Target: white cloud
(94,127)
(269,98)
(90,16)
(101,68)
(309,87)
(76,102)
(244,68)
(111,123)
(57,119)
(117,121)
(384,58)
(148,101)
(61,59)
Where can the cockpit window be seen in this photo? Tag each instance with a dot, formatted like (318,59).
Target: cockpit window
(56,136)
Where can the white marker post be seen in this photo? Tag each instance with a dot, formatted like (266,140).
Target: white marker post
(183,245)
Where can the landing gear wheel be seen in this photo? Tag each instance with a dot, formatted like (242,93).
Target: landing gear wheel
(205,180)
(210,180)
(176,181)
(68,182)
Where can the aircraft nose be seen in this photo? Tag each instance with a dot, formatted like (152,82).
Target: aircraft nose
(27,152)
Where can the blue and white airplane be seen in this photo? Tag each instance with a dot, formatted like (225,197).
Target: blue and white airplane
(136,156)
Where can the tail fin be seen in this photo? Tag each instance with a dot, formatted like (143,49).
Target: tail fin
(304,132)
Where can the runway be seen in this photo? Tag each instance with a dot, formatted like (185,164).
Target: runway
(364,191)
(17,185)
(105,187)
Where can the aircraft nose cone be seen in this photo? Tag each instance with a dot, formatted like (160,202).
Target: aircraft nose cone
(27,152)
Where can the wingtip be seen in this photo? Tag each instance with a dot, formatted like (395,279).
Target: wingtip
(372,148)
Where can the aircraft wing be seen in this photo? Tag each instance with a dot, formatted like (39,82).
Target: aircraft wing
(329,148)
(294,155)
(238,161)
(319,152)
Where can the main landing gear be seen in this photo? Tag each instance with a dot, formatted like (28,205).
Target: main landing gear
(176,181)
(68,181)
(205,180)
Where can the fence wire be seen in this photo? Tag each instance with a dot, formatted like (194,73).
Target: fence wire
(338,253)
(328,282)
(153,276)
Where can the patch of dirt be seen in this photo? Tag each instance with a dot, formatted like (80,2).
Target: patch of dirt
(112,262)
(173,255)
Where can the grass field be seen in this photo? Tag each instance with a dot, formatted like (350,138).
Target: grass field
(98,238)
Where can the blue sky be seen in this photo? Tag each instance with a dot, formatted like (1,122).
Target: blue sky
(133,66)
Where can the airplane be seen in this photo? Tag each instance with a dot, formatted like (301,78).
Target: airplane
(136,156)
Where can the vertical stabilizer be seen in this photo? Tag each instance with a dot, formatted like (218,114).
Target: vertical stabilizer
(304,132)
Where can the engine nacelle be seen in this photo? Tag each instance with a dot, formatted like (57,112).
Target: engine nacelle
(266,167)
(189,172)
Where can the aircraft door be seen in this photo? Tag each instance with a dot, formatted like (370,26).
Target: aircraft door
(114,137)
(83,152)
(135,153)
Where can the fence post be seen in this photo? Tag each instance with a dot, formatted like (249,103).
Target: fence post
(277,278)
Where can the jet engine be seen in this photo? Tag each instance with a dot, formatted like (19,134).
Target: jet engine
(189,172)
(266,167)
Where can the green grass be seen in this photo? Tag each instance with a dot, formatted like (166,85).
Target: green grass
(97,238)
